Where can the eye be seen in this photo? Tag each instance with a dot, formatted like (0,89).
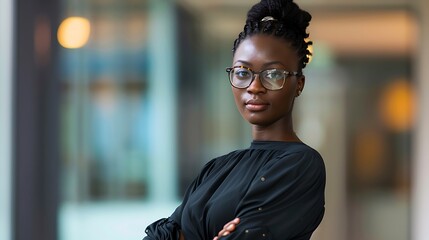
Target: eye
(273,74)
(242,74)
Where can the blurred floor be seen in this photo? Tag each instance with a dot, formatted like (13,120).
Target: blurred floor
(110,221)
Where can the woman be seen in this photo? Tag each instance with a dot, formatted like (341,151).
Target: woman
(275,188)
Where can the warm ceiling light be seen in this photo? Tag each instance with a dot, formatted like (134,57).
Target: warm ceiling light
(397,105)
(74,32)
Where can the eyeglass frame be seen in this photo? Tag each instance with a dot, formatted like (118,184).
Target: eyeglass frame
(254,73)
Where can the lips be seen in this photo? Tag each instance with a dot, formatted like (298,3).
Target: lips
(256,105)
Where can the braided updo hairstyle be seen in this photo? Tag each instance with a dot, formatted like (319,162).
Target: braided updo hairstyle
(290,23)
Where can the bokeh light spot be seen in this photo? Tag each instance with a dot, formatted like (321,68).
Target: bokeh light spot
(397,106)
(74,32)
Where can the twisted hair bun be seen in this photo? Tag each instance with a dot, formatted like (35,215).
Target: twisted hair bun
(290,23)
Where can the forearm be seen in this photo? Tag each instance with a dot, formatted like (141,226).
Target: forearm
(182,237)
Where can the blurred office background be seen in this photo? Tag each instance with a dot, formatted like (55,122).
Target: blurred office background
(109,108)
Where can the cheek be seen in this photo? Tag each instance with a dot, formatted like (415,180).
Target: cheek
(236,93)
(237,96)
(284,101)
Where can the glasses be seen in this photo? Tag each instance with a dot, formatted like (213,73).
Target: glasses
(271,79)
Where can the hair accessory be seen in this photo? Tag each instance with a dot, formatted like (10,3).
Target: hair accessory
(268,18)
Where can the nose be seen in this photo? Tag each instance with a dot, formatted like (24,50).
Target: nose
(256,85)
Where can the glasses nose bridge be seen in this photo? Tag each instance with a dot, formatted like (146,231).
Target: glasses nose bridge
(254,77)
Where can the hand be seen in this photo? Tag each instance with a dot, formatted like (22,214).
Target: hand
(227,228)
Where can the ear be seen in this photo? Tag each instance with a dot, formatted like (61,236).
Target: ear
(300,85)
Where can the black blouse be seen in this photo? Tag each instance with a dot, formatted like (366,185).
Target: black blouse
(275,188)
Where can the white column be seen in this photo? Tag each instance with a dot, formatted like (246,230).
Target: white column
(6,46)
(162,101)
(420,177)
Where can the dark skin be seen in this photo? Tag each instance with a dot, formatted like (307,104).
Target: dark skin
(271,118)
(268,111)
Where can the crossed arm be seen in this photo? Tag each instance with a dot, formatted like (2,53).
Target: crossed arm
(227,229)
(295,200)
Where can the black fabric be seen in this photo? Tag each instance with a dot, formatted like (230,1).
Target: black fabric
(275,188)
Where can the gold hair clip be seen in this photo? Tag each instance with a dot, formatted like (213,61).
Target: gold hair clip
(268,18)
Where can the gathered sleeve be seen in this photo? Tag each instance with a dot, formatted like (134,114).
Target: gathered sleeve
(285,201)
(170,228)
(163,229)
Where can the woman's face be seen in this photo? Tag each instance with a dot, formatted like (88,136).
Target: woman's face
(255,103)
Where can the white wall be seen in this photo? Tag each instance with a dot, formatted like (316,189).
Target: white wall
(6,15)
(420,176)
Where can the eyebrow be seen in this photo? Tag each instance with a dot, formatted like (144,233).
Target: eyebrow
(264,65)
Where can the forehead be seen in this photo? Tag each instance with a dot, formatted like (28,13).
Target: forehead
(260,49)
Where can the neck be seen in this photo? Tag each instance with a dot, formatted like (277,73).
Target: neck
(280,131)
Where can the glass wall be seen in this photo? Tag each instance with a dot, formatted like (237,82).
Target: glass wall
(104,99)
(118,119)
(146,102)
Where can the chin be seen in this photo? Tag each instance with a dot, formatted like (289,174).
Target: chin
(254,120)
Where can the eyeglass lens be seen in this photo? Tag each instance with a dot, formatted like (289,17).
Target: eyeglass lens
(271,78)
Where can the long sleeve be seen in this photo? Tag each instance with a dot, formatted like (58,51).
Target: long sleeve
(170,228)
(163,229)
(275,188)
(284,201)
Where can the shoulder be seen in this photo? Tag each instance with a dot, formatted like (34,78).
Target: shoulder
(303,149)
(299,162)
(299,155)
(222,162)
